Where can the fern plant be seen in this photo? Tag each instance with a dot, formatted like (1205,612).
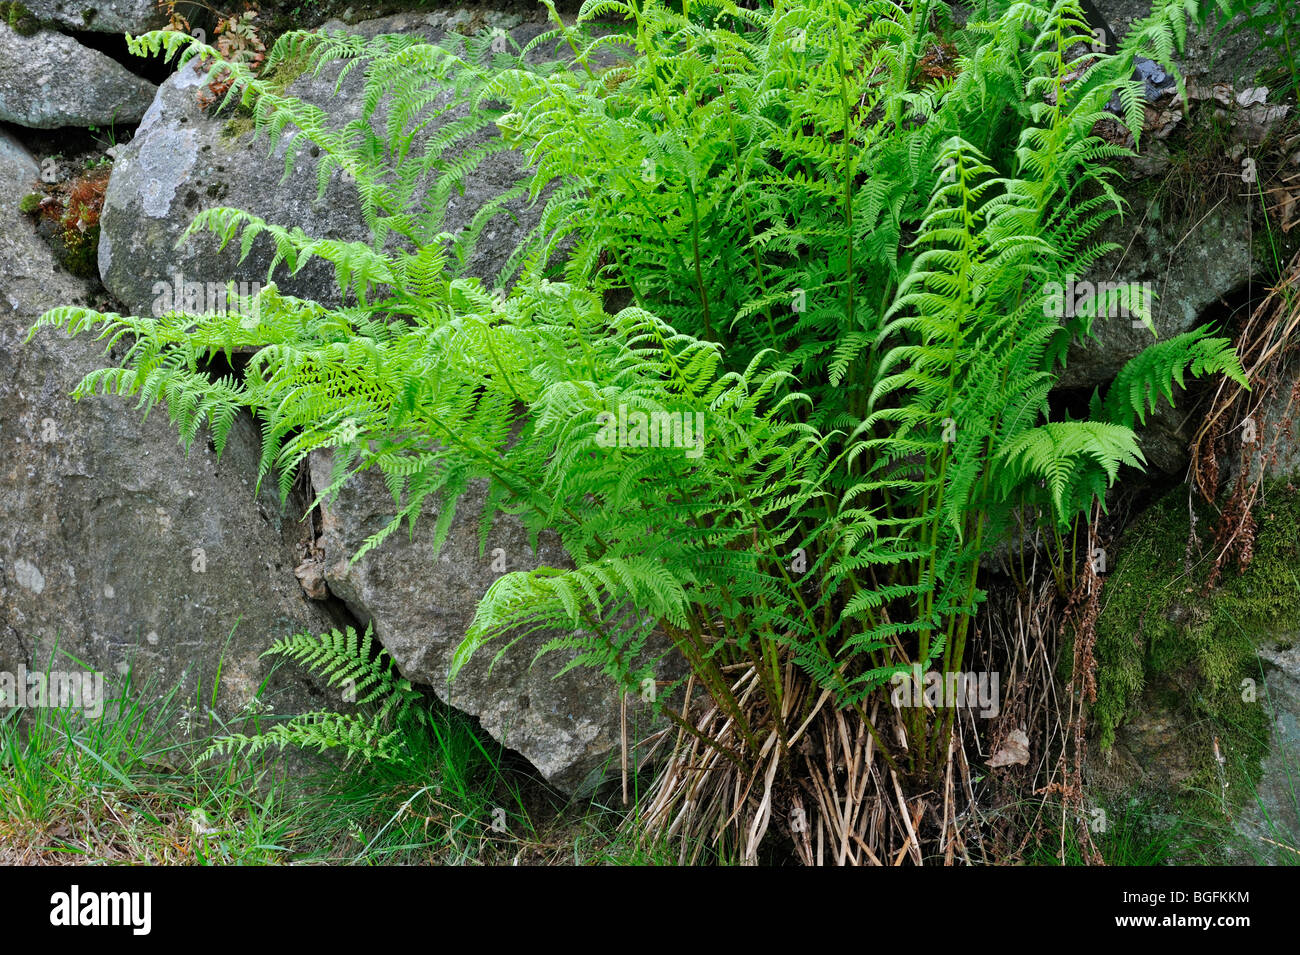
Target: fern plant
(389,706)
(838,226)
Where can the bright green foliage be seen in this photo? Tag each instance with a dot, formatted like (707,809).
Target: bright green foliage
(1151,375)
(366,676)
(838,258)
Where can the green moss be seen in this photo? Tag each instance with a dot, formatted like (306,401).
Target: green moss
(237,126)
(81,254)
(1147,574)
(281,77)
(287,69)
(21,20)
(1263,601)
(29,203)
(1163,644)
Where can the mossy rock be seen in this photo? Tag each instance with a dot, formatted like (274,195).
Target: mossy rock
(79,252)
(1180,711)
(19,19)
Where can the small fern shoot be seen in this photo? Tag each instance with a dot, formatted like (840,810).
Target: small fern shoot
(389,706)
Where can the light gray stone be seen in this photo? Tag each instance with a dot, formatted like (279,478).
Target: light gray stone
(1187,266)
(102,16)
(569,726)
(115,546)
(1272,811)
(183,160)
(49,80)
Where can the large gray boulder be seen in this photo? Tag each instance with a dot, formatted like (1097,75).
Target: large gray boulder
(103,16)
(115,545)
(49,80)
(1187,263)
(568,726)
(183,159)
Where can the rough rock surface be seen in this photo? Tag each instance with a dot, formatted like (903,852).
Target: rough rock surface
(183,160)
(1233,58)
(1276,429)
(1274,811)
(49,80)
(1187,265)
(116,545)
(102,16)
(569,727)
(1188,260)
(1152,757)
(1192,253)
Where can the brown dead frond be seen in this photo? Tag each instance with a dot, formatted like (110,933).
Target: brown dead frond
(1080,623)
(1030,633)
(1250,425)
(827,793)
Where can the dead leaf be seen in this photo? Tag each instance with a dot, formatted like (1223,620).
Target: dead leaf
(1160,122)
(1014,752)
(1269,114)
(61,831)
(1252,96)
(311,575)
(1286,207)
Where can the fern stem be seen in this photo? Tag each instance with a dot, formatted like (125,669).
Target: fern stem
(699,274)
(846,110)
